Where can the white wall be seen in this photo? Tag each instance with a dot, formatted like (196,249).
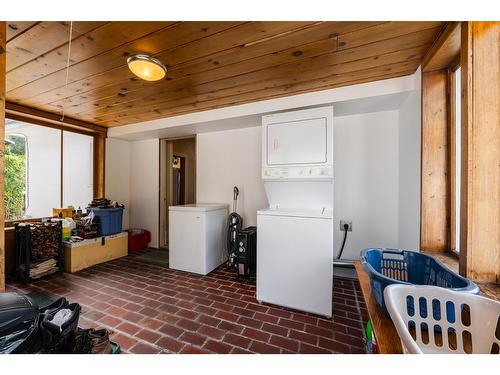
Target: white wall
(229,158)
(377,168)
(409,168)
(216,119)
(366,176)
(144,187)
(366,181)
(118,168)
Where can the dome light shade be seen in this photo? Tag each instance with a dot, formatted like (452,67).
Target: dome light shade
(146,67)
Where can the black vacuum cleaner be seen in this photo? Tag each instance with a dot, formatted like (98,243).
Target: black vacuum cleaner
(241,244)
(234,225)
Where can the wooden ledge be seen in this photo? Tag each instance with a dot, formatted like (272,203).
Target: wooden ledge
(488,290)
(387,338)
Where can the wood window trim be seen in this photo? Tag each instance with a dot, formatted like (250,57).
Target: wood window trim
(35,116)
(445,52)
(480,145)
(443,58)
(452,129)
(434,208)
(12,223)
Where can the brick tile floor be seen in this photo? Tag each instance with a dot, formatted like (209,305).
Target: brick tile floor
(152,309)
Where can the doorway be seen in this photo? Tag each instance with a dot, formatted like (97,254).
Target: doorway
(177,178)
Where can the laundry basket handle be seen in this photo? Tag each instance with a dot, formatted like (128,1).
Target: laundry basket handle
(392,251)
(384,251)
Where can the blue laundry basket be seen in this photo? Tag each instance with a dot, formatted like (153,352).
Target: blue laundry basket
(394,266)
(109,220)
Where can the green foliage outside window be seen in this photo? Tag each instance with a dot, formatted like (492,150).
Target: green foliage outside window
(15,178)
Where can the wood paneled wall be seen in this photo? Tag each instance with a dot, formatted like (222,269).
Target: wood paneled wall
(480,185)
(3,49)
(434,227)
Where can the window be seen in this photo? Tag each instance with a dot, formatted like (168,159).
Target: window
(15,176)
(78,150)
(37,178)
(455,158)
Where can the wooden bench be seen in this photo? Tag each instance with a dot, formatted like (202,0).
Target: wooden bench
(84,254)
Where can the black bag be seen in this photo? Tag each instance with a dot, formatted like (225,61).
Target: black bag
(26,328)
(19,317)
(59,338)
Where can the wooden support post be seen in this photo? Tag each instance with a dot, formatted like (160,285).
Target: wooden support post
(480,185)
(434,216)
(3,53)
(99,165)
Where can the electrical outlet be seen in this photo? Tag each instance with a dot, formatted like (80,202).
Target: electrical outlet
(348,222)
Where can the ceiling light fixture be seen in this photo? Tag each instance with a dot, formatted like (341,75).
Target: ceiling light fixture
(146,67)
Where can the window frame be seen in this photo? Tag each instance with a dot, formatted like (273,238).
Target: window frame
(26,177)
(452,130)
(95,158)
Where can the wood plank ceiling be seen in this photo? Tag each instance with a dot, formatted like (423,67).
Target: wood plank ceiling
(210,64)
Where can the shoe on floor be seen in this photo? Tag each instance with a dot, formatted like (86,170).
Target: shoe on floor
(91,341)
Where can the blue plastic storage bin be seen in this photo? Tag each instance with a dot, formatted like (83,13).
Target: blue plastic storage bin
(109,220)
(394,266)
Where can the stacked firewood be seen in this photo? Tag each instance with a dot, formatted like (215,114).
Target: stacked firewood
(41,269)
(45,240)
(85,230)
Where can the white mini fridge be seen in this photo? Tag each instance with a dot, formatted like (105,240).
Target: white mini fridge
(196,237)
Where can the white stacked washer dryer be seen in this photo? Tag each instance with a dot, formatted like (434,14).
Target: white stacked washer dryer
(295,234)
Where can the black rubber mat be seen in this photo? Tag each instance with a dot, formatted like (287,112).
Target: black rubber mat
(40,299)
(155,256)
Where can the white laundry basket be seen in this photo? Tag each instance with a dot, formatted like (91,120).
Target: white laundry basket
(430,319)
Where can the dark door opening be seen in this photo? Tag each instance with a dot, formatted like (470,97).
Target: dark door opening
(177,178)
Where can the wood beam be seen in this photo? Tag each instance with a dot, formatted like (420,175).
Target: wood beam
(480,164)
(99,165)
(445,51)
(434,221)
(36,116)
(3,49)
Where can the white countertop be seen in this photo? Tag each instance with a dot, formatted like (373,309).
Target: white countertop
(297,212)
(199,207)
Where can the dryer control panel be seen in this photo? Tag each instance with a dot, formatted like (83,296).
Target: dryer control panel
(325,172)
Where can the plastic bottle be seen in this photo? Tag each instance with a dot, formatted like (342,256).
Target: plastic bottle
(67,225)
(369,337)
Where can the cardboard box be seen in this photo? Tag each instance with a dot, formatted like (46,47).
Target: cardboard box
(84,254)
(65,212)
